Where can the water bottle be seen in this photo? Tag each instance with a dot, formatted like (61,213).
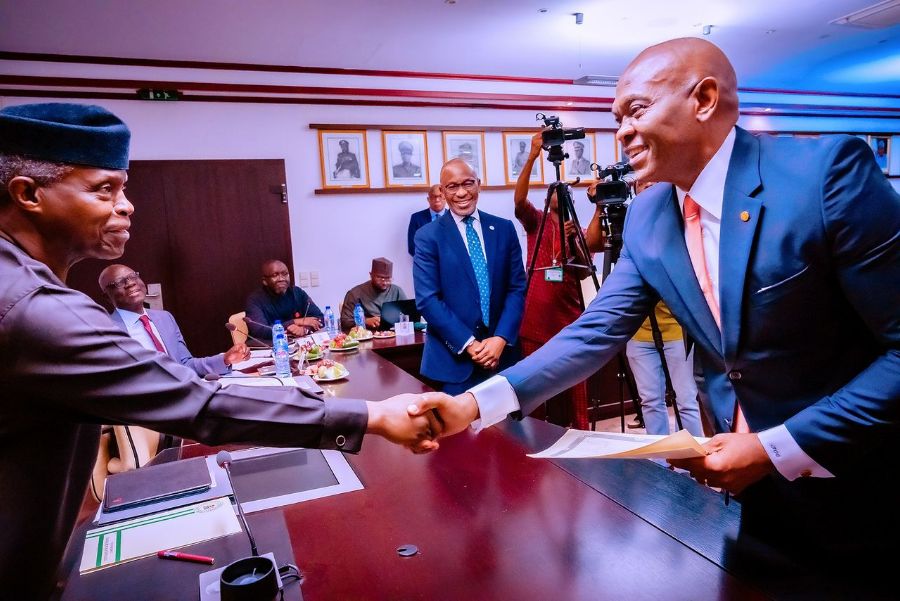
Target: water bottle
(280,351)
(359,316)
(330,322)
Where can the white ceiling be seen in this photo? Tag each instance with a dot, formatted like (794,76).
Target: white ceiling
(786,44)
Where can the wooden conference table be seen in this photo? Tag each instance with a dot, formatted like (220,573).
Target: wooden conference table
(491,523)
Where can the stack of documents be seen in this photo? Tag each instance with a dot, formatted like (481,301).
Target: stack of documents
(582,444)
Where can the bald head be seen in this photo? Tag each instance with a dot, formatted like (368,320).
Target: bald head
(676,103)
(460,186)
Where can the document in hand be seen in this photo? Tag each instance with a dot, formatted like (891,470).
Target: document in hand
(581,444)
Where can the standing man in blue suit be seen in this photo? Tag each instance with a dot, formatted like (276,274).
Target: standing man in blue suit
(436,209)
(154,329)
(792,304)
(470,286)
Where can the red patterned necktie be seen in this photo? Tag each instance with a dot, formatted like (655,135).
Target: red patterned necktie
(156,342)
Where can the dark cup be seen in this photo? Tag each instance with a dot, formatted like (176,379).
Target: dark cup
(249,579)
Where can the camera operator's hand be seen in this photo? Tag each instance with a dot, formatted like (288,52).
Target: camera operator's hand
(536,142)
(594,236)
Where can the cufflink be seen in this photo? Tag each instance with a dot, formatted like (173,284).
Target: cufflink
(490,227)
(341,440)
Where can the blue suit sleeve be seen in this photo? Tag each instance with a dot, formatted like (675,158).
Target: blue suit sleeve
(514,306)
(178,350)
(442,322)
(861,213)
(584,346)
(410,235)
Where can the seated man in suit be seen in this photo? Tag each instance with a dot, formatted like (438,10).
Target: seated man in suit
(436,208)
(780,258)
(371,295)
(470,286)
(278,300)
(157,330)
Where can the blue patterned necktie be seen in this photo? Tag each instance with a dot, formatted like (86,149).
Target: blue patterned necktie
(479,264)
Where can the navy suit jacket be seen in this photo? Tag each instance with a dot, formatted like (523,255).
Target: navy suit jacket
(447,292)
(810,310)
(176,346)
(416,220)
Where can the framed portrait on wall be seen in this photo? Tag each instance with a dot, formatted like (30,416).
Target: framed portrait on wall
(405,158)
(881,147)
(344,159)
(468,146)
(516,148)
(581,155)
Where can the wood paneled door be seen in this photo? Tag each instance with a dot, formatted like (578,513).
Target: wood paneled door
(201,229)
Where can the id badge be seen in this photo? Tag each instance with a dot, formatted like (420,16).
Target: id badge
(554,274)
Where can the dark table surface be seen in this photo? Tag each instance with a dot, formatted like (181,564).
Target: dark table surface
(491,523)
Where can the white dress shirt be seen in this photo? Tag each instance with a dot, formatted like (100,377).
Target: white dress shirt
(136,329)
(496,398)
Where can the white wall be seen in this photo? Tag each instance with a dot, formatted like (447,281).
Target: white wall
(338,235)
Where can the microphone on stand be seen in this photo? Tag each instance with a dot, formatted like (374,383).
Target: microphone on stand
(216,377)
(233,328)
(252,577)
(256,323)
(223,459)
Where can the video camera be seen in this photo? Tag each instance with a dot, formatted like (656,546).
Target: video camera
(556,134)
(616,190)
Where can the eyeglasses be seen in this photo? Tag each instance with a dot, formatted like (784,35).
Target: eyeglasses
(125,280)
(468,185)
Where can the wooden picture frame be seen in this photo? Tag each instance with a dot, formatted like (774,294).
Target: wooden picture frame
(468,146)
(344,159)
(881,148)
(516,148)
(405,158)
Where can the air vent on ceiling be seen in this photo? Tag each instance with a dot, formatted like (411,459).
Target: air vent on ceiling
(878,16)
(597,80)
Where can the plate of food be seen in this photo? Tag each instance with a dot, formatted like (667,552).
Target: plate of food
(343,344)
(328,371)
(385,334)
(314,352)
(360,334)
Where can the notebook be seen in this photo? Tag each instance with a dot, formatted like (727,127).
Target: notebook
(156,483)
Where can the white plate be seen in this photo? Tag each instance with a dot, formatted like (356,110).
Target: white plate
(344,350)
(369,337)
(386,337)
(340,377)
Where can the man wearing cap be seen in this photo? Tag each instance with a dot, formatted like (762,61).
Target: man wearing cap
(578,165)
(346,165)
(372,295)
(67,368)
(406,168)
(520,159)
(436,208)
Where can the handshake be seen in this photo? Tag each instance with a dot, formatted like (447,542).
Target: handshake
(416,421)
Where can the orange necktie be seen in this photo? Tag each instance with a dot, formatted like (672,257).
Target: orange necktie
(693,235)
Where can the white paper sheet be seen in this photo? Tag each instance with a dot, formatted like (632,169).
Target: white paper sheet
(582,444)
(140,537)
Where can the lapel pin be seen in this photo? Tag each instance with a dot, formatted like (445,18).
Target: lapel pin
(745,216)
(490,227)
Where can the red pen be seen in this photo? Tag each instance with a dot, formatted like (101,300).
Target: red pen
(185,557)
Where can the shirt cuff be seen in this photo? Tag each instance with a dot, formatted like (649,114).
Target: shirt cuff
(787,456)
(496,400)
(468,342)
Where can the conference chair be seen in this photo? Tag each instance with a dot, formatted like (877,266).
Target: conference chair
(135,447)
(239,333)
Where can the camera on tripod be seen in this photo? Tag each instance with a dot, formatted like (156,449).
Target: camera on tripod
(617,189)
(556,134)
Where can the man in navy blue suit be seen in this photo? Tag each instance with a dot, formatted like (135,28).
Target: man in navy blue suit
(781,259)
(470,286)
(436,208)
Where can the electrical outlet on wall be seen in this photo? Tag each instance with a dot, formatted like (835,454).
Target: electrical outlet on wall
(303,279)
(313,278)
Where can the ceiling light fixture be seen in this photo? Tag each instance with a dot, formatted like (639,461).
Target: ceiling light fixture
(579,18)
(609,81)
(707,29)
